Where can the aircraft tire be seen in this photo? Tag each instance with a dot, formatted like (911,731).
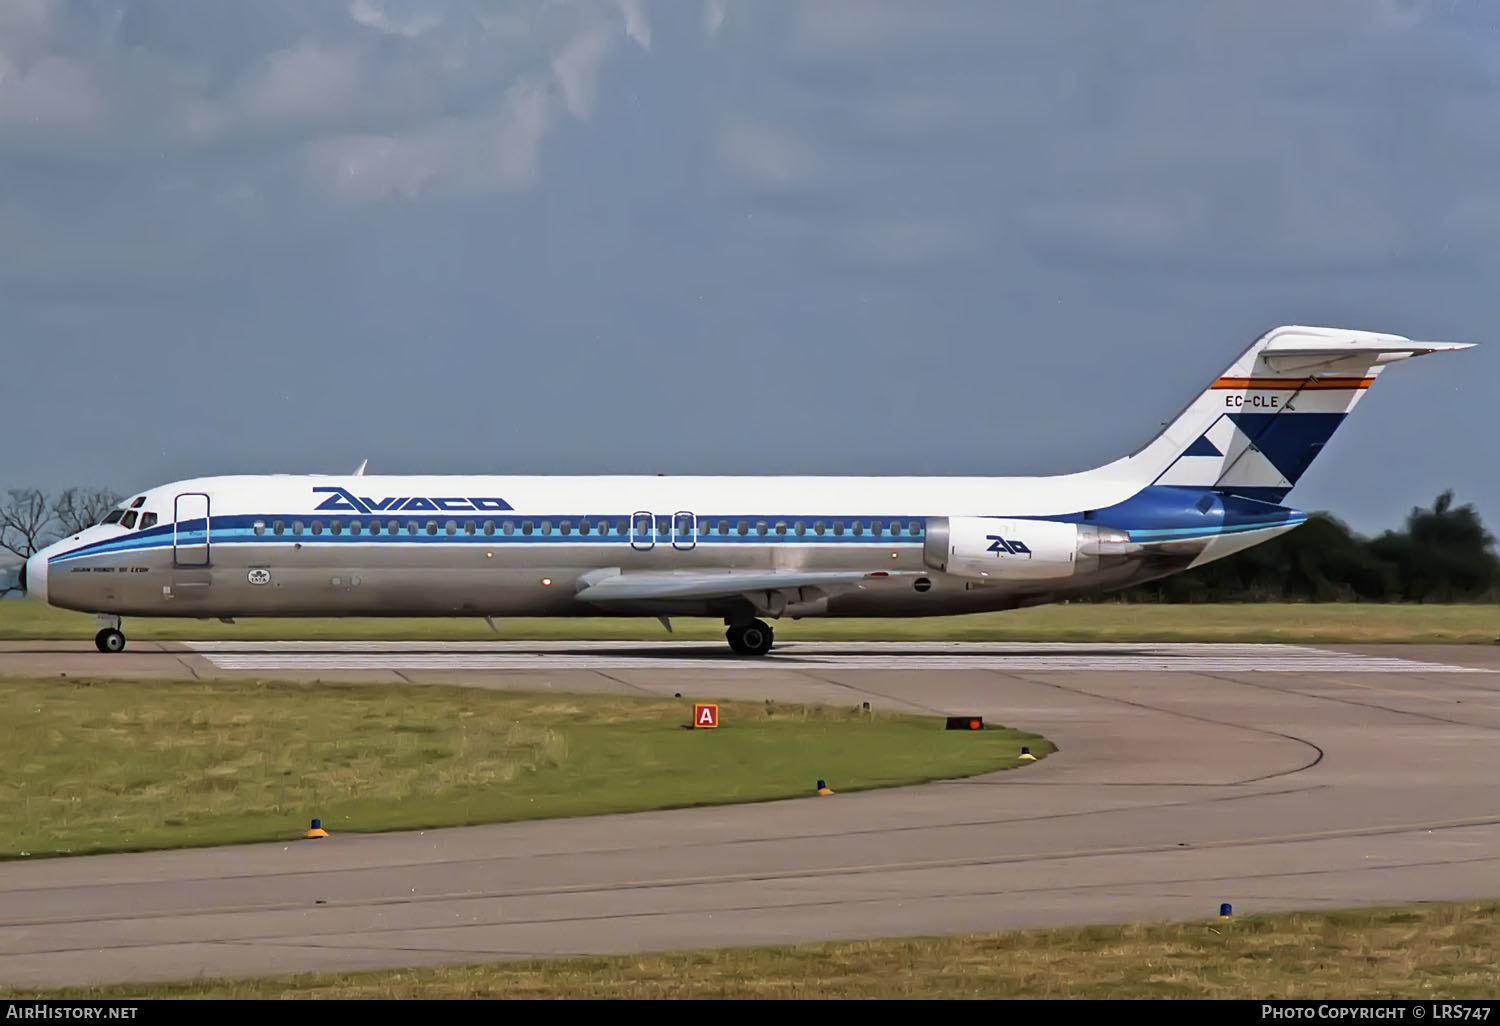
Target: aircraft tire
(754,638)
(109,640)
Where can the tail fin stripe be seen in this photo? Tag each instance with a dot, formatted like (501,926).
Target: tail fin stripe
(1262,384)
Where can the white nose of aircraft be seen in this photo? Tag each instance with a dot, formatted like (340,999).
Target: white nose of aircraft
(34,578)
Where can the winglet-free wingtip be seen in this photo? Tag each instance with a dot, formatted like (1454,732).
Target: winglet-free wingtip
(361,471)
(1442,347)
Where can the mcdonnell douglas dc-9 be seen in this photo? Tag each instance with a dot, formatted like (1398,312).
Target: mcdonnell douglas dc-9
(747,549)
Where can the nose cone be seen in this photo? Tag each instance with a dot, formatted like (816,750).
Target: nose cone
(34,577)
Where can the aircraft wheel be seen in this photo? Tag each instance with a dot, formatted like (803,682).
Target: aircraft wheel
(735,637)
(109,640)
(753,638)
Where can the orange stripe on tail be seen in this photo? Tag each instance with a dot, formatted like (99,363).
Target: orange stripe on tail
(1289,384)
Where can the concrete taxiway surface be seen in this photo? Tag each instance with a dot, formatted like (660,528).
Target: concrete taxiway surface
(1271,777)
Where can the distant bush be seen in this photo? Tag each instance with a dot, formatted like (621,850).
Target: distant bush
(1444,554)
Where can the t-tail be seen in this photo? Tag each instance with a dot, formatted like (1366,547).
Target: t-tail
(1258,427)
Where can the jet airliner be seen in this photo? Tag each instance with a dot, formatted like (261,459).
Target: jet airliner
(745,549)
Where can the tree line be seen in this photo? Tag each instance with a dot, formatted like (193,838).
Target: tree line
(1443,553)
(31,519)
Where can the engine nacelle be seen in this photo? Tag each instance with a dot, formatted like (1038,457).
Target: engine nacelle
(1019,550)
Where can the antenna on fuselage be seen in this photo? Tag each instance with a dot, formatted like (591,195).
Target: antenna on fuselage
(361,471)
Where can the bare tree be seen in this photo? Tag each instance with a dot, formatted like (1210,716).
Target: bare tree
(27,520)
(77,508)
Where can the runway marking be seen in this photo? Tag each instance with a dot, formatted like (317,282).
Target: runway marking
(599,655)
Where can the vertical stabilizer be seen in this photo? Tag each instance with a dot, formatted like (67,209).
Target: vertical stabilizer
(1258,426)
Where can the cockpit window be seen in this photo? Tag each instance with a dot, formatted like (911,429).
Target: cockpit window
(114,516)
(148,520)
(137,503)
(129,520)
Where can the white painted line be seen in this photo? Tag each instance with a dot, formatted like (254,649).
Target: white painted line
(1016,656)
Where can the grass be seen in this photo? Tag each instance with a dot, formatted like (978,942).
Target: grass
(94,765)
(1434,952)
(1309,623)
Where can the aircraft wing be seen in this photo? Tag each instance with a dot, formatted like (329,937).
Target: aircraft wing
(613,585)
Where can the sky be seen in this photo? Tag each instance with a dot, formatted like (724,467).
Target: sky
(734,236)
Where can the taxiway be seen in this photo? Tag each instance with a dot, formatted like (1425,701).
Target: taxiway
(1271,777)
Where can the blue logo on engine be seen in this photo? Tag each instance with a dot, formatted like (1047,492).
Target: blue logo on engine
(350,503)
(999,545)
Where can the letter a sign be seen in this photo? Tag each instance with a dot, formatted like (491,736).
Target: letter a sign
(705,715)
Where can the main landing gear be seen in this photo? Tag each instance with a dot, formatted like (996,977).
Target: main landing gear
(110,638)
(753,638)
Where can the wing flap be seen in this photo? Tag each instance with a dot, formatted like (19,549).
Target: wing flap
(617,586)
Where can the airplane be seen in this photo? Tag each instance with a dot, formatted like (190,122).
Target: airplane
(744,549)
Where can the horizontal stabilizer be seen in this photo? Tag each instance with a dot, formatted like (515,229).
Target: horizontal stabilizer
(605,586)
(1294,348)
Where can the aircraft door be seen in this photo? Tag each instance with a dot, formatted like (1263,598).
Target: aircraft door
(190,530)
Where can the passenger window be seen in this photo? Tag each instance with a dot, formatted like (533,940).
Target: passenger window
(489,527)
(838,527)
(432,527)
(317,527)
(296,527)
(148,520)
(526,527)
(912,528)
(509,528)
(354,527)
(468,527)
(129,520)
(564,528)
(724,527)
(818,528)
(859,527)
(337,527)
(451,527)
(276,527)
(780,527)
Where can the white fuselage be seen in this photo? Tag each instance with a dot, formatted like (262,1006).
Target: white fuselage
(512,546)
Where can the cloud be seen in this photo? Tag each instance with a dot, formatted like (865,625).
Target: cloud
(635,23)
(372,14)
(305,82)
(577,69)
(51,92)
(498,152)
(372,99)
(713,16)
(766,156)
(911,241)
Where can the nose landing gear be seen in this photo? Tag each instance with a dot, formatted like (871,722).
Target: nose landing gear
(110,638)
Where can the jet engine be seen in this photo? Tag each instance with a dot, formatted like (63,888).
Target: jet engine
(1021,550)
